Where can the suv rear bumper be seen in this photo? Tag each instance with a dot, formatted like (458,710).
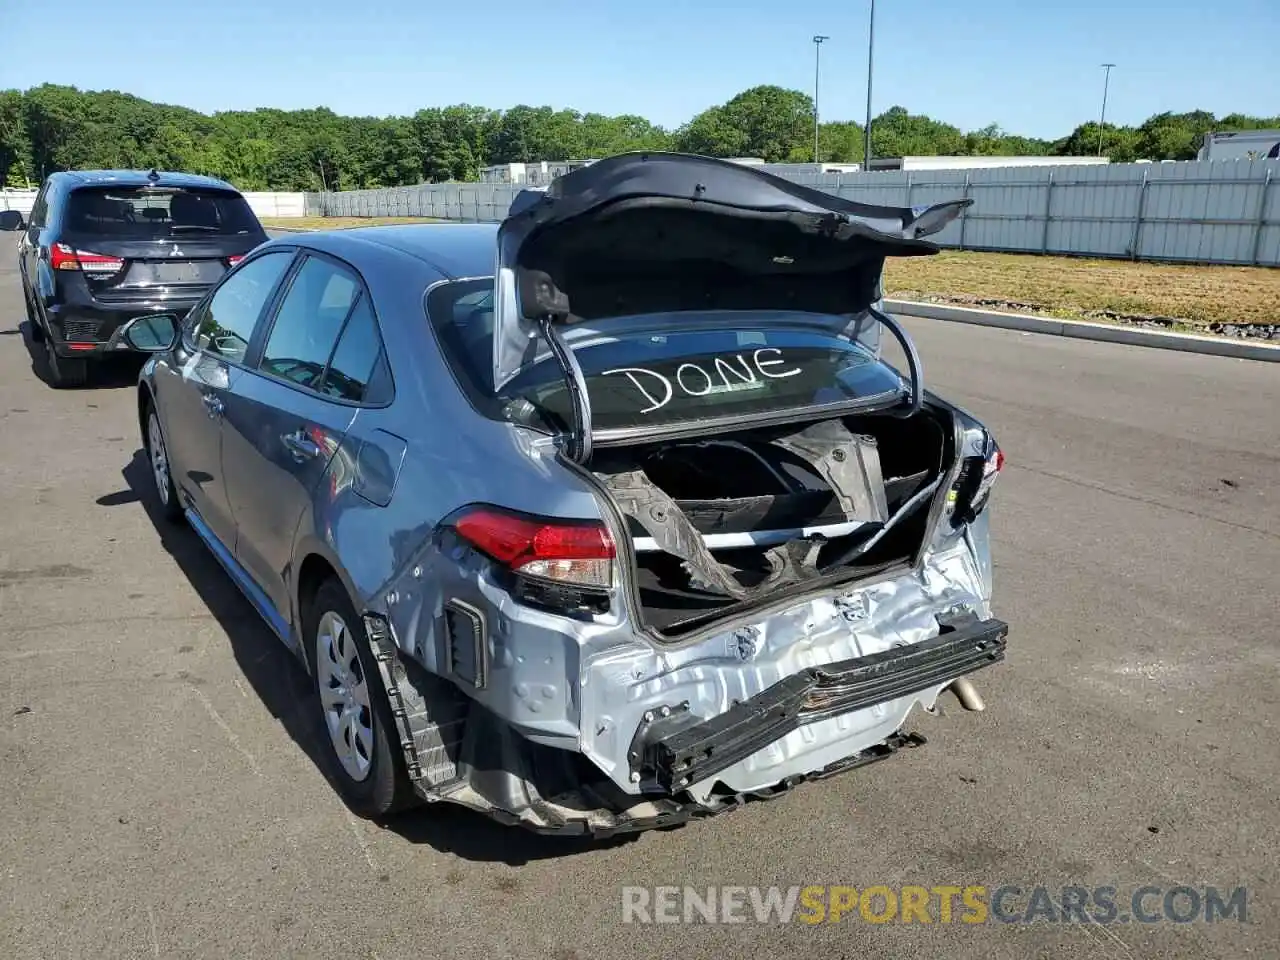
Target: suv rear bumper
(92,329)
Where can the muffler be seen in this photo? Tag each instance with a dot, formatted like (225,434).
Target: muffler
(967,694)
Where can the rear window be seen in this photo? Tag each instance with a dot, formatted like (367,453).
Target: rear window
(157,212)
(759,366)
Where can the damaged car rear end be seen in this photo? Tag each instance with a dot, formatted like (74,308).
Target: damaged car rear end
(729,547)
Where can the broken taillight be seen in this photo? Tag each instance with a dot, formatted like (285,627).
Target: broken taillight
(572,552)
(972,489)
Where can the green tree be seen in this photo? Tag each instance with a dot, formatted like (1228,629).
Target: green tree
(841,141)
(52,127)
(15,145)
(769,122)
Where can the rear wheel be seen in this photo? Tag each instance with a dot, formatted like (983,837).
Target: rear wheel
(64,372)
(354,710)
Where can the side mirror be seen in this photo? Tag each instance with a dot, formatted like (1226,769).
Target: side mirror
(153,334)
(11,220)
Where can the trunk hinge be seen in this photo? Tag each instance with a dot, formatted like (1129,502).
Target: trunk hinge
(578,447)
(913,363)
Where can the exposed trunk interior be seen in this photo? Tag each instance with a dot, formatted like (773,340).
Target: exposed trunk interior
(721,523)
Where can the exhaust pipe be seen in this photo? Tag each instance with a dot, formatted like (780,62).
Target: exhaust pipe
(967,694)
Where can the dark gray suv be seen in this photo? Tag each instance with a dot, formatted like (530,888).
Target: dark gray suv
(599,520)
(103,247)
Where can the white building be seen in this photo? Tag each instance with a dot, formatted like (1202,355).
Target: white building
(979,163)
(532,174)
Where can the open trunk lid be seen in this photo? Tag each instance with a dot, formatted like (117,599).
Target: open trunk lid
(647,233)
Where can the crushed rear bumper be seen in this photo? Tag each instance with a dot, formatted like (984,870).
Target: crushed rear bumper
(677,750)
(458,751)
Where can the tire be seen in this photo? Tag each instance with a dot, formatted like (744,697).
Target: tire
(64,372)
(33,318)
(366,768)
(166,493)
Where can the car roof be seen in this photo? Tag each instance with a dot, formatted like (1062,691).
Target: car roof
(456,250)
(142,178)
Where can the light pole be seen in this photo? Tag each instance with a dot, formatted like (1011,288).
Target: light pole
(871,46)
(817,61)
(1106,82)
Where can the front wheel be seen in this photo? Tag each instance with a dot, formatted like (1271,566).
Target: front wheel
(161,475)
(354,710)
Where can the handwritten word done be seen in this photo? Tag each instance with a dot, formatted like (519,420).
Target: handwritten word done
(719,375)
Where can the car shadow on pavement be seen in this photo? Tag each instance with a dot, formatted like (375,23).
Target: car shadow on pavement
(108,373)
(282,684)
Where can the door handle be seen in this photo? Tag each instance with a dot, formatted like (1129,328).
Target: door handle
(212,405)
(301,446)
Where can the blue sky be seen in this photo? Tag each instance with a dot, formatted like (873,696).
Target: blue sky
(1030,66)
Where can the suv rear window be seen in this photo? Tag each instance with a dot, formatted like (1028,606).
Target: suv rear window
(157,212)
(666,377)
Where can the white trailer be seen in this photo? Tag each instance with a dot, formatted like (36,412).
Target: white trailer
(1241,145)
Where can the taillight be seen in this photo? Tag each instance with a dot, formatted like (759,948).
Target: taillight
(234,259)
(563,551)
(972,489)
(63,257)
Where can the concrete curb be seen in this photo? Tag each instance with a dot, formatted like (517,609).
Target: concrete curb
(1084,330)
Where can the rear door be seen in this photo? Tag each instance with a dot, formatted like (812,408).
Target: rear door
(156,243)
(192,393)
(287,417)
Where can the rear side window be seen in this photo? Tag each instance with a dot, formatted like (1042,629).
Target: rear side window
(351,369)
(224,326)
(149,213)
(307,325)
(325,336)
(40,209)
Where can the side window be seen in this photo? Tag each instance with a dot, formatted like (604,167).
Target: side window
(225,324)
(308,322)
(39,212)
(352,367)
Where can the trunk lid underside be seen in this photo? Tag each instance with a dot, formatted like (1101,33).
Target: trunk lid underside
(666,233)
(736,510)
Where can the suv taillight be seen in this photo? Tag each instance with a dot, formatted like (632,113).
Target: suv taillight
(63,257)
(570,552)
(972,489)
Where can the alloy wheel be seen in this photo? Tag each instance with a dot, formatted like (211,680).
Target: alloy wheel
(344,696)
(159,458)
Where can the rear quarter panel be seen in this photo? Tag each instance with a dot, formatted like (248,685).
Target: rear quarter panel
(424,456)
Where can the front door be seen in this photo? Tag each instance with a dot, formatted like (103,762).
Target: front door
(193,389)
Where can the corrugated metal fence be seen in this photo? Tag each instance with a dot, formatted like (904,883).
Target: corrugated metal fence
(1204,212)
(470,202)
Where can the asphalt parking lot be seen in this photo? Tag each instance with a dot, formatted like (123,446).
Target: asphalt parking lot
(163,796)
